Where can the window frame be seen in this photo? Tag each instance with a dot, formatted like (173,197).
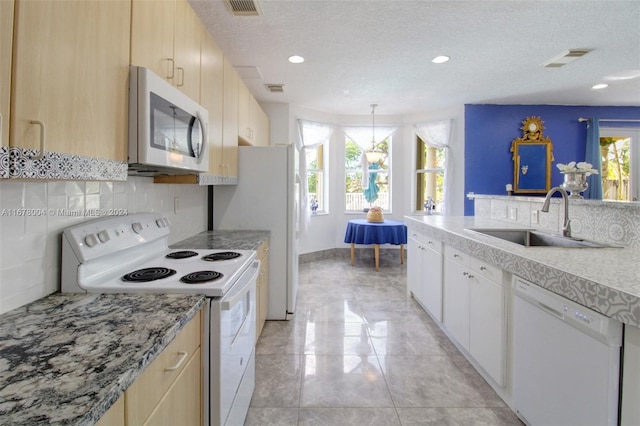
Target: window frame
(321,156)
(358,172)
(420,172)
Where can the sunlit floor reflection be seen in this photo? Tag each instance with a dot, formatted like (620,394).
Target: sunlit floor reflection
(358,351)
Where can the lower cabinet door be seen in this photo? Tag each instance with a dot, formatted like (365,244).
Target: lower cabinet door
(456,302)
(182,404)
(432,282)
(414,268)
(487,326)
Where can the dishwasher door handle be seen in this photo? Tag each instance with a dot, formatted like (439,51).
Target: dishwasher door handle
(552,311)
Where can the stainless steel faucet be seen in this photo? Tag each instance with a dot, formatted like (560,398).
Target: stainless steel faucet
(566,223)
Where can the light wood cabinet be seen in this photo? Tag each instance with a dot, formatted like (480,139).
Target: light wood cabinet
(228,164)
(114,416)
(211,97)
(475,310)
(253,123)
(166,37)
(169,390)
(181,405)
(70,72)
(262,293)
(6,45)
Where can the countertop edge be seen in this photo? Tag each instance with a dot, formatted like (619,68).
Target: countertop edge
(125,380)
(611,301)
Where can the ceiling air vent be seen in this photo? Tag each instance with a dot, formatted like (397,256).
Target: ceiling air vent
(244,7)
(275,88)
(565,57)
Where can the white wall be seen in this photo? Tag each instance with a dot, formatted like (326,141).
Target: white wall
(326,231)
(31,244)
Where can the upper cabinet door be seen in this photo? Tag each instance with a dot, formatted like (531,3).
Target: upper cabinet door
(6,42)
(166,37)
(186,50)
(211,96)
(152,32)
(70,72)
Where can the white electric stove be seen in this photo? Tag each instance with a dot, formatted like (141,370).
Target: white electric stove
(130,254)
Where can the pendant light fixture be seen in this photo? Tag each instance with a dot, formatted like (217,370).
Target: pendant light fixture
(374,154)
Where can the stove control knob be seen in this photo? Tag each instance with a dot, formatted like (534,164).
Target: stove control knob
(137,227)
(103,236)
(90,240)
(160,223)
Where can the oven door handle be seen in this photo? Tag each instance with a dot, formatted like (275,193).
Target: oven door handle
(241,288)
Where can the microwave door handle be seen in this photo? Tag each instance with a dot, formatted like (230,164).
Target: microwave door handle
(205,139)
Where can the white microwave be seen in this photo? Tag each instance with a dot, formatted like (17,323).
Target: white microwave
(167,129)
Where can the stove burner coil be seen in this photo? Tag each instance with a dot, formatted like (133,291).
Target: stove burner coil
(200,277)
(184,254)
(148,274)
(224,255)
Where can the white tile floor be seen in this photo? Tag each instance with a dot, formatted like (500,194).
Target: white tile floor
(360,353)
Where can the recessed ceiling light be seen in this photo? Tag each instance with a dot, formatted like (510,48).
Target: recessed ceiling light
(295,59)
(440,59)
(600,86)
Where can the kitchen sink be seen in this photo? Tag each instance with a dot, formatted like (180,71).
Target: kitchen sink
(534,238)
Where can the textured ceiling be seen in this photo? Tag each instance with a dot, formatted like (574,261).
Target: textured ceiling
(379,51)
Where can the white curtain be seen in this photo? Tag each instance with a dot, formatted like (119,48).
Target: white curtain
(310,135)
(438,135)
(362,136)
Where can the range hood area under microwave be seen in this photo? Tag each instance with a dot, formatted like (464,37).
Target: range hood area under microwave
(167,129)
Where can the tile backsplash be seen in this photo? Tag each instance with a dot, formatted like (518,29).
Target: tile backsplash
(34,214)
(611,222)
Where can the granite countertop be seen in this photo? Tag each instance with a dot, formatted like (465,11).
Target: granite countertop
(227,240)
(606,280)
(66,358)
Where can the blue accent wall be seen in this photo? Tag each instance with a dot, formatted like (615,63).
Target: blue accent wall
(489,130)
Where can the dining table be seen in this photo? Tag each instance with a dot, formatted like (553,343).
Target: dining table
(389,231)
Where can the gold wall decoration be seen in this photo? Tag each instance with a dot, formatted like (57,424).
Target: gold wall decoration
(532,158)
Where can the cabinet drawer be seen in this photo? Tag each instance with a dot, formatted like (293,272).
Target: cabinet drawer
(457,255)
(426,241)
(485,269)
(147,391)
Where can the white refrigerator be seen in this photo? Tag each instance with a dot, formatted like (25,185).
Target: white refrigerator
(266,198)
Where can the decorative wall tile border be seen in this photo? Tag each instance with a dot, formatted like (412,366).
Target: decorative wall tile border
(17,163)
(611,222)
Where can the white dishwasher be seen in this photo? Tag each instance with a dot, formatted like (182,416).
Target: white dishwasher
(566,360)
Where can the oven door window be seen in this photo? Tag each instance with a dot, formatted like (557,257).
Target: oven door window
(173,129)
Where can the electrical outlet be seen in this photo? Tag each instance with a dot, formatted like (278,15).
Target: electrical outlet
(534,217)
(176,205)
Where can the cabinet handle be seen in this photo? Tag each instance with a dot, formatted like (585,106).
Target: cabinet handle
(414,235)
(456,255)
(183,357)
(429,242)
(483,268)
(465,273)
(181,80)
(42,140)
(173,67)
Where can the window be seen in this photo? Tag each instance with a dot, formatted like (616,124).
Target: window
(620,175)
(378,192)
(430,166)
(316,182)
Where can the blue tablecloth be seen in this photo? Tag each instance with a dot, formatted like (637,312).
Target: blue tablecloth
(360,231)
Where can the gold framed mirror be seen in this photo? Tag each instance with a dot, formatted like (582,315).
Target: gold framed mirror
(532,158)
